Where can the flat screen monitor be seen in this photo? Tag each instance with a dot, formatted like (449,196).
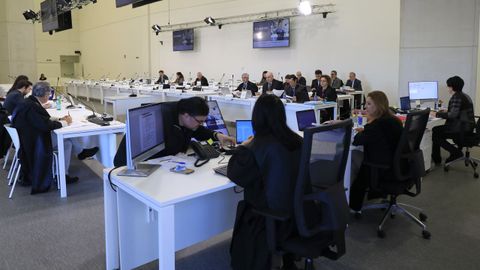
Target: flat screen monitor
(48,13)
(64,21)
(145,136)
(183,40)
(244,130)
(143,2)
(405,104)
(215,120)
(423,90)
(121,3)
(306,119)
(271,33)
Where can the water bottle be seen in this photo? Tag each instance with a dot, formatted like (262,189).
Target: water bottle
(59,104)
(315,97)
(360,120)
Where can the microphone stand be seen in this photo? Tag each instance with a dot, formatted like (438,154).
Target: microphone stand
(86,105)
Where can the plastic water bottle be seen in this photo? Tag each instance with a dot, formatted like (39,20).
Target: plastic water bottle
(315,97)
(59,104)
(360,120)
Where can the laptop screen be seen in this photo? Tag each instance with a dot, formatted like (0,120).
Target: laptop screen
(306,119)
(215,120)
(244,130)
(405,103)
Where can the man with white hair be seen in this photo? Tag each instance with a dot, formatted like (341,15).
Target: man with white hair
(301,79)
(247,84)
(200,78)
(271,84)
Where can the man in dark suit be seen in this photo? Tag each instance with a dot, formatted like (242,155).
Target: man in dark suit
(296,90)
(336,82)
(161,77)
(271,84)
(200,78)
(16,96)
(247,84)
(316,83)
(356,84)
(301,79)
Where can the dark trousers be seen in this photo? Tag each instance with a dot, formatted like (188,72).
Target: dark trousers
(440,135)
(361,185)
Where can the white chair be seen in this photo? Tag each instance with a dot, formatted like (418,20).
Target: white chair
(16,166)
(5,158)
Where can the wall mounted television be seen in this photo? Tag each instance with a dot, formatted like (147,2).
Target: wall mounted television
(143,2)
(48,13)
(183,40)
(271,33)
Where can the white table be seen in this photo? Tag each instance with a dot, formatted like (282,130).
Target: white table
(121,104)
(81,128)
(351,98)
(153,217)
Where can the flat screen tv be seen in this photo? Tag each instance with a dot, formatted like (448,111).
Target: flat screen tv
(271,33)
(64,21)
(143,2)
(121,3)
(183,40)
(48,11)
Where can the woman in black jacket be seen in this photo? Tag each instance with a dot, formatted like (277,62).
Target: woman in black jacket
(326,93)
(266,166)
(379,139)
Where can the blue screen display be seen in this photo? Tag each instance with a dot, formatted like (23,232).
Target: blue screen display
(272,33)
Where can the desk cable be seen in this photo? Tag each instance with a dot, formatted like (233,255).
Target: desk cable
(112,185)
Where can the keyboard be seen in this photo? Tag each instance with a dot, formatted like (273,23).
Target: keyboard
(99,121)
(221,170)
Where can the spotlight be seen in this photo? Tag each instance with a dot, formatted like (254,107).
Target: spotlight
(209,20)
(324,14)
(305,7)
(30,15)
(220,26)
(156,28)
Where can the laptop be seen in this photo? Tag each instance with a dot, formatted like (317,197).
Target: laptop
(215,120)
(405,104)
(306,119)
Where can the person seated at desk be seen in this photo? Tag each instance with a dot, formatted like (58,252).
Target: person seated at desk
(16,96)
(356,84)
(271,84)
(17,79)
(200,78)
(182,121)
(162,78)
(459,116)
(264,79)
(179,80)
(266,166)
(301,79)
(326,93)
(42,78)
(336,82)
(316,83)
(247,84)
(379,138)
(34,125)
(296,90)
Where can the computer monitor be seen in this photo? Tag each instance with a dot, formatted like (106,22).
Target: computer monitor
(423,90)
(405,104)
(306,119)
(215,120)
(145,137)
(244,130)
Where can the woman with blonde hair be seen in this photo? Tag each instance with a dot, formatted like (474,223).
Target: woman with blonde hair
(379,139)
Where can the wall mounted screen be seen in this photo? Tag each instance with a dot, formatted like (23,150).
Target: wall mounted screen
(183,40)
(271,33)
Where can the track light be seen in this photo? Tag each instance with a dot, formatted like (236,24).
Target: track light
(156,28)
(324,14)
(209,20)
(220,26)
(305,7)
(30,15)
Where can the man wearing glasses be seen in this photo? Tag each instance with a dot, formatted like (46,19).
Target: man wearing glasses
(182,121)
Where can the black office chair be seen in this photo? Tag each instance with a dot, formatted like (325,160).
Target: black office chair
(408,170)
(467,141)
(320,204)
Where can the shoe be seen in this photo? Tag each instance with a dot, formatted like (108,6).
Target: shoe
(71,179)
(86,153)
(453,157)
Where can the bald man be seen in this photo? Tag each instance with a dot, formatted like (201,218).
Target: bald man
(271,84)
(247,84)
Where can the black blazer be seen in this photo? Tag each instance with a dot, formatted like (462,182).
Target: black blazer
(250,86)
(277,85)
(13,99)
(300,92)
(302,81)
(328,94)
(357,85)
(161,80)
(203,81)
(315,85)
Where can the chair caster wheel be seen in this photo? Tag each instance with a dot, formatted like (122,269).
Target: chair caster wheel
(380,234)
(423,217)
(446,168)
(475,175)
(426,234)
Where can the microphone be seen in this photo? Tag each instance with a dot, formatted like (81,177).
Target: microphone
(118,77)
(92,108)
(221,79)
(88,75)
(12,77)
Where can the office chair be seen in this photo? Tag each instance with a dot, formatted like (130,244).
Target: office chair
(408,169)
(320,204)
(467,141)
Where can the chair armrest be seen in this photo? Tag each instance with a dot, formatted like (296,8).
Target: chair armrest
(269,213)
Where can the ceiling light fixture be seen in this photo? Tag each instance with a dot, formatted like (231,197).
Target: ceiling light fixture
(156,28)
(209,20)
(305,7)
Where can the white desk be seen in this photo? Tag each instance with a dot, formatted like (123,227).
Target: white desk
(121,104)
(149,218)
(346,97)
(82,128)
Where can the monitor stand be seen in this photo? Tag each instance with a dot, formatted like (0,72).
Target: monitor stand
(140,170)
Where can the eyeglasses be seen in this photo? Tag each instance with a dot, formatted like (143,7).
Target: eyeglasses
(200,122)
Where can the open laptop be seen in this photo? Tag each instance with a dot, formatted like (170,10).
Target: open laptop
(215,120)
(306,119)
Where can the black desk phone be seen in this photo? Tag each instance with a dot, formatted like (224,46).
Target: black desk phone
(204,152)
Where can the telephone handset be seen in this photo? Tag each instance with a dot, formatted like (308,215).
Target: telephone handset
(204,152)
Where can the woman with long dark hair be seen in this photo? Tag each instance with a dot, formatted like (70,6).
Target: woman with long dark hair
(179,80)
(15,83)
(266,166)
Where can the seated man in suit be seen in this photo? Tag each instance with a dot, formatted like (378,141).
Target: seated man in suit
(296,90)
(161,77)
(17,95)
(356,84)
(336,82)
(200,78)
(271,84)
(247,84)
(316,83)
(460,118)
(301,79)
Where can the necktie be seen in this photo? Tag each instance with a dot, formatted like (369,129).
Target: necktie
(269,86)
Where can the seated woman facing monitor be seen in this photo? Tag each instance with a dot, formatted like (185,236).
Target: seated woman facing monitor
(266,166)
(379,139)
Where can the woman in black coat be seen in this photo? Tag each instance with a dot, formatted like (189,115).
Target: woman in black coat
(379,139)
(326,93)
(266,166)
